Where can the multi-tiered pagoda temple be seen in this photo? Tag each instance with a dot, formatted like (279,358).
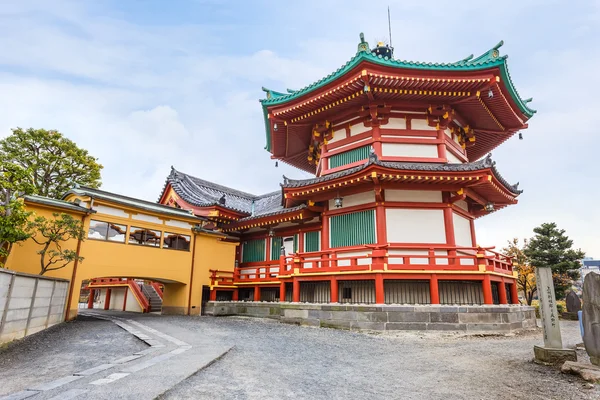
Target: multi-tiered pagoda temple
(400,152)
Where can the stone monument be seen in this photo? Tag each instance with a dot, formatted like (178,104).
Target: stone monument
(573,306)
(553,351)
(591,316)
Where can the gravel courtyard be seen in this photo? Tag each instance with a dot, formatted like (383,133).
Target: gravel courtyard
(273,360)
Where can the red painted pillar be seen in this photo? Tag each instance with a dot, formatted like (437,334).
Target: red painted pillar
(256,293)
(325,232)
(377,147)
(213,295)
(334,289)
(296,291)
(502,292)
(449,228)
(379,292)
(487,290)
(381,224)
(473,237)
(514,293)
(282,292)
(91,299)
(441,137)
(107,299)
(125,299)
(236,295)
(434,291)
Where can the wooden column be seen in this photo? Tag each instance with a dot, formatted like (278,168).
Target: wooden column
(213,294)
(325,232)
(236,295)
(256,293)
(333,289)
(380,223)
(514,292)
(442,145)
(434,291)
(296,291)
(487,290)
(125,299)
(473,237)
(376,134)
(449,228)
(502,292)
(379,291)
(300,242)
(282,292)
(91,299)
(107,299)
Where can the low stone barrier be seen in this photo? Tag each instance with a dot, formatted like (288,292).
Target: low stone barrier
(29,303)
(484,318)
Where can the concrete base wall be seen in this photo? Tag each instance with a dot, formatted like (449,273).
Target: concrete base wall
(486,318)
(29,303)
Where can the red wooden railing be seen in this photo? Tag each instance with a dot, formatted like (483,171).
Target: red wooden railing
(132,284)
(158,288)
(390,257)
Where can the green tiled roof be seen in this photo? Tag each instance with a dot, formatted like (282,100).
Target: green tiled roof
(489,59)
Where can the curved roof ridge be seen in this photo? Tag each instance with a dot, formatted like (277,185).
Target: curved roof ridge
(202,182)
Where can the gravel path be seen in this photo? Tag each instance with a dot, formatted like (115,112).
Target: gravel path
(272,361)
(62,350)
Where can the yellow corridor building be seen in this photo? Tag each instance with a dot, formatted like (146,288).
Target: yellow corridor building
(135,239)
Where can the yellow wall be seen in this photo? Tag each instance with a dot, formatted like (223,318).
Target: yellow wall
(104,259)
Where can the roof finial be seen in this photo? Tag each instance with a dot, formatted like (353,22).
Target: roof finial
(363,46)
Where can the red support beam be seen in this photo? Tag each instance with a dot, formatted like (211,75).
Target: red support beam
(296,291)
(434,292)
(487,290)
(282,292)
(107,299)
(514,293)
(334,289)
(125,298)
(91,299)
(379,292)
(256,293)
(502,292)
(442,145)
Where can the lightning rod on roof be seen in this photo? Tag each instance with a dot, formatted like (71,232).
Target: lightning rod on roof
(390,27)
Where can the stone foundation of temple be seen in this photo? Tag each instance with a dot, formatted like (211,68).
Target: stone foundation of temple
(476,318)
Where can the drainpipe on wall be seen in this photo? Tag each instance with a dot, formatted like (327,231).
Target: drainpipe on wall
(76,263)
(192,275)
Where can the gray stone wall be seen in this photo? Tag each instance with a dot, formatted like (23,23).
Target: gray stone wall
(29,303)
(480,318)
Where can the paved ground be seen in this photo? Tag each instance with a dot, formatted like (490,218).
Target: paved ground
(273,361)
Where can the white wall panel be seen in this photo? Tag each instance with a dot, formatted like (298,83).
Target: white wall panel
(418,196)
(110,211)
(409,150)
(415,226)
(147,218)
(421,124)
(355,200)
(395,123)
(462,230)
(452,159)
(358,129)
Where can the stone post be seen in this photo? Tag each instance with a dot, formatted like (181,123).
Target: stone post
(553,351)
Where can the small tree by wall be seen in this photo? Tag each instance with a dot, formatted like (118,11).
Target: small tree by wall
(521,263)
(52,234)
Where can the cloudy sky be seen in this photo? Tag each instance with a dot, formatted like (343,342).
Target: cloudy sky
(144,85)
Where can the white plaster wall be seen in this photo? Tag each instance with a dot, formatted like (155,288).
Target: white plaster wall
(360,261)
(462,204)
(363,141)
(421,124)
(358,129)
(415,226)
(462,230)
(110,211)
(448,133)
(117,295)
(452,159)
(409,150)
(147,218)
(27,308)
(338,135)
(413,196)
(132,304)
(408,137)
(467,261)
(178,224)
(403,257)
(395,123)
(354,200)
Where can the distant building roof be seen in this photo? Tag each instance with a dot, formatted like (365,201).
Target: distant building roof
(55,203)
(591,263)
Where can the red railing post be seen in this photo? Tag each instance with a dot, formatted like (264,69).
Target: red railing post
(213,294)
(256,293)
(378,259)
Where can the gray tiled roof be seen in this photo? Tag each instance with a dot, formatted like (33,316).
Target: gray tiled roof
(202,193)
(65,205)
(131,202)
(408,166)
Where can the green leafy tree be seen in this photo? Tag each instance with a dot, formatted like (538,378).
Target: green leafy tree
(51,234)
(54,163)
(551,248)
(14,183)
(521,263)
